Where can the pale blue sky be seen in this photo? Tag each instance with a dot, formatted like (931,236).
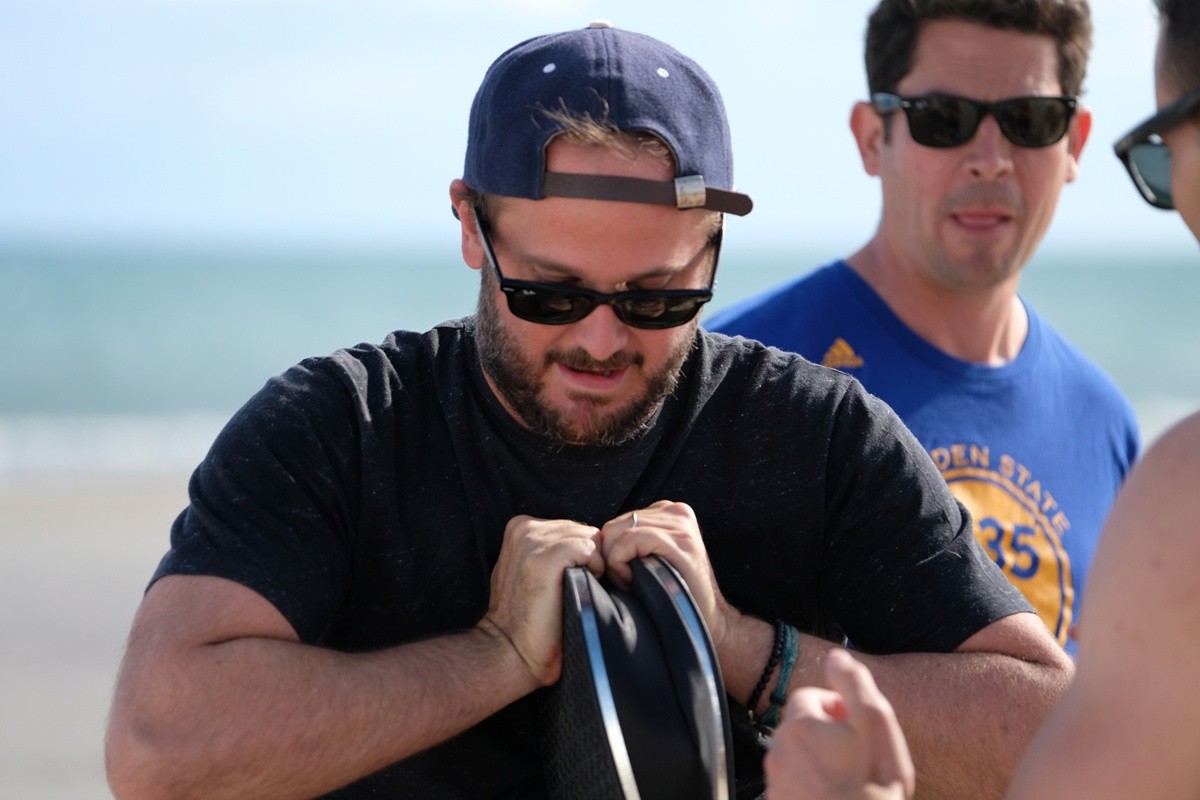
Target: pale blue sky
(345,120)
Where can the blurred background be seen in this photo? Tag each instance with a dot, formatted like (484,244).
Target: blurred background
(195,194)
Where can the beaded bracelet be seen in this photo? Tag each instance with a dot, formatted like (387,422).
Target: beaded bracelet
(779,696)
(776,652)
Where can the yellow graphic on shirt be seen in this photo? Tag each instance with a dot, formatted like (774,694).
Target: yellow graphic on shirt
(841,355)
(1019,524)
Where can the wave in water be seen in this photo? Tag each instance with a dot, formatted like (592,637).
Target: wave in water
(116,444)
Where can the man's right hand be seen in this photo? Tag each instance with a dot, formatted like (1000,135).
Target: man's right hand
(526,591)
(840,743)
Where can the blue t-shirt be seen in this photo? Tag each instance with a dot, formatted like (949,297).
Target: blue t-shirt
(1036,449)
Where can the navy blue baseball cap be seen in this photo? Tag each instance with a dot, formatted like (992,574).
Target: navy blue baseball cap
(630,80)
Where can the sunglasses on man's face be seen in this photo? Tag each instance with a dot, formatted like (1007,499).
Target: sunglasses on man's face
(1146,156)
(556,304)
(945,120)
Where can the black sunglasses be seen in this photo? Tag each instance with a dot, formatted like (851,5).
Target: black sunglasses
(556,304)
(945,120)
(1146,156)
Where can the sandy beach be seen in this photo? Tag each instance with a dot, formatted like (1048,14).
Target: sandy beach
(77,552)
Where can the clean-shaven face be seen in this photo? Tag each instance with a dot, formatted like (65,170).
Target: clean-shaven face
(971,216)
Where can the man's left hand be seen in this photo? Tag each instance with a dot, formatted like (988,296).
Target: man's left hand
(668,529)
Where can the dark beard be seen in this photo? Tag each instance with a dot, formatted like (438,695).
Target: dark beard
(518,382)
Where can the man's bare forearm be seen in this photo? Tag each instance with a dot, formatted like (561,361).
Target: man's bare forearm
(968,715)
(262,717)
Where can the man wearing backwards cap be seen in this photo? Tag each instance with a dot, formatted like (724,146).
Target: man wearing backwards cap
(364,593)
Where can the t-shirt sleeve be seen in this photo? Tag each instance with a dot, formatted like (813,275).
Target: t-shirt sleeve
(271,505)
(903,571)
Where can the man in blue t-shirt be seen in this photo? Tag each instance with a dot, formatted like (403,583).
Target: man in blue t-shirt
(973,127)
(1128,723)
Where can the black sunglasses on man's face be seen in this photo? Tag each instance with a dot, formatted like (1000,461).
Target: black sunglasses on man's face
(946,120)
(556,304)
(1146,156)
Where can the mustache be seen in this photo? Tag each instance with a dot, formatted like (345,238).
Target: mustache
(987,195)
(578,359)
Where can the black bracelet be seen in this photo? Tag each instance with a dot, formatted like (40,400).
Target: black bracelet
(776,654)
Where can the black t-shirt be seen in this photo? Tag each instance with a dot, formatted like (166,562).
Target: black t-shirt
(365,495)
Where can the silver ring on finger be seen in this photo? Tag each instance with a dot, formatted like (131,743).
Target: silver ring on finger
(633,521)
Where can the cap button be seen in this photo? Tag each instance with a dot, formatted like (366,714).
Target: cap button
(599,23)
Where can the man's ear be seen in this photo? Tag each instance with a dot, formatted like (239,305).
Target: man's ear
(463,208)
(1077,136)
(867,127)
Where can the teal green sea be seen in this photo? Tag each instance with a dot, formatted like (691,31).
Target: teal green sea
(130,356)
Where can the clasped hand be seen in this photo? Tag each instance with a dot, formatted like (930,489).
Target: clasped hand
(526,588)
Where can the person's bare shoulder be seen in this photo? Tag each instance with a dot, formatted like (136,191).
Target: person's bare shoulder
(1128,724)
(1148,562)
(1143,596)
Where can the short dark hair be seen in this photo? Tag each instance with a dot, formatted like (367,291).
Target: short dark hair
(1180,42)
(893,28)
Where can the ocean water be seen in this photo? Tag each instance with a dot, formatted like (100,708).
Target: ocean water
(129,357)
